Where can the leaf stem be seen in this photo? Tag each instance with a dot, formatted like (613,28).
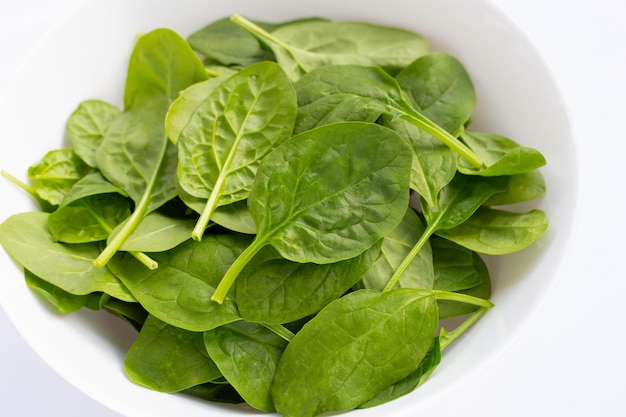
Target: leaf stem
(233,272)
(206,215)
(416,118)
(280,330)
(393,281)
(445,337)
(462,298)
(256,30)
(30,190)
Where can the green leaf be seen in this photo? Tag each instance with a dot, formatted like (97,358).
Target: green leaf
(498,232)
(168,359)
(502,156)
(274,290)
(63,301)
(396,246)
(232,130)
(179,291)
(87,125)
(354,348)
(158,232)
(182,109)
(412,381)
(329,94)
(328,194)
(68,267)
(135,153)
(247,355)
(56,173)
(303,46)
(522,187)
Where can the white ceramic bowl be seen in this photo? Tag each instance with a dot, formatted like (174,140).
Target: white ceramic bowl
(86,57)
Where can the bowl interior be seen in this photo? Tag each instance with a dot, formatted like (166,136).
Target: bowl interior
(86,57)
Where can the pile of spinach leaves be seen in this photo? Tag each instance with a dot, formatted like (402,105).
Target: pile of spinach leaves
(249,212)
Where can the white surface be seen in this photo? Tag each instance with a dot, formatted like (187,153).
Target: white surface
(568,361)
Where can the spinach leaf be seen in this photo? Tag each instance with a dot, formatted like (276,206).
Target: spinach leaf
(232,130)
(355,347)
(502,155)
(87,125)
(89,219)
(303,46)
(224,393)
(439,87)
(179,291)
(522,188)
(456,203)
(412,381)
(68,267)
(157,232)
(168,359)
(55,174)
(132,313)
(90,211)
(63,301)
(327,195)
(274,290)
(498,232)
(460,270)
(370,90)
(162,64)
(247,354)
(396,246)
(181,109)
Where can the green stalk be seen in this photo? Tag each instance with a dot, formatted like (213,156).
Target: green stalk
(280,330)
(421,121)
(462,298)
(256,30)
(445,337)
(233,272)
(30,190)
(208,211)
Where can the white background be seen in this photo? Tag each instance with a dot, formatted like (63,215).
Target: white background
(571,360)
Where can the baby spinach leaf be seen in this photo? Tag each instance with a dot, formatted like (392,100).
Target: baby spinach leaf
(502,155)
(158,232)
(181,109)
(55,174)
(327,195)
(522,187)
(454,265)
(168,359)
(162,64)
(498,232)
(412,381)
(355,347)
(68,267)
(303,46)
(132,313)
(460,270)
(179,291)
(456,203)
(229,44)
(63,301)
(86,127)
(438,86)
(274,290)
(396,246)
(373,92)
(223,393)
(247,355)
(232,130)
(88,219)
(434,164)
